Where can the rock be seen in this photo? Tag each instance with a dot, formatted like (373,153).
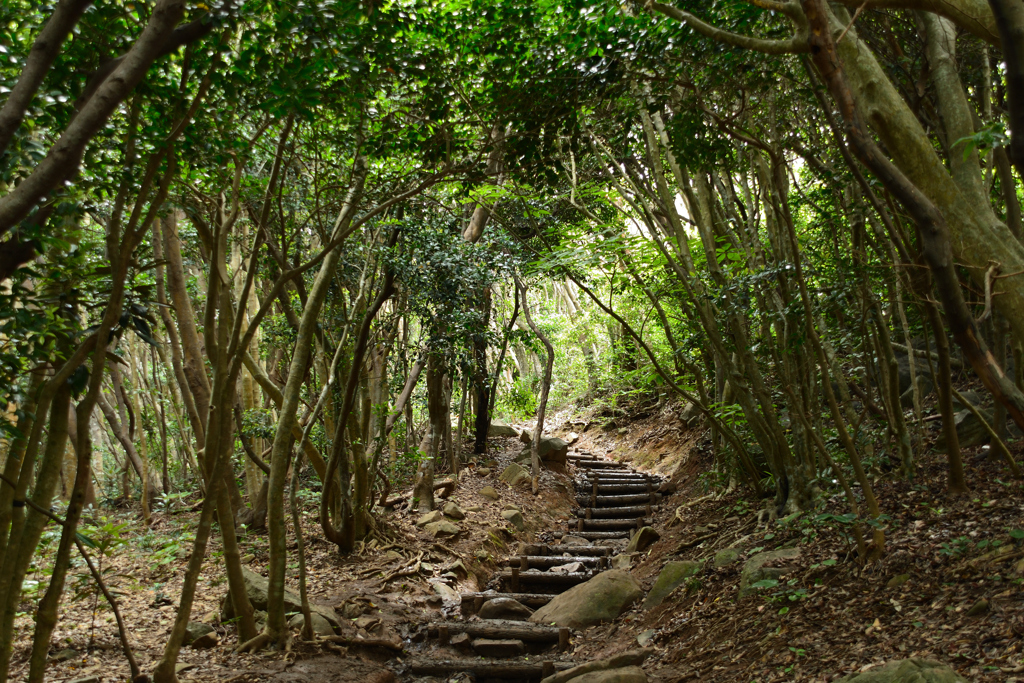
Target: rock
(515,518)
(482,555)
(475,508)
(574,540)
(195,630)
(446,592)
(256,587)
(898,580)
(514,475)
(489,492)
(443,528)
(646,637)
(452,510)
(627,674)
(633,658)
(498,429)
(483,471)
(726,557)
(622,561)
(86,679)
(429,518)
(913,670)
(979,609)
(485,647)
(505,608)
(642,540)
(205,642)
(924,387)
(65,655)
(461,641)
(754,569)
(571,438)
(570,568)
(671,577)
(602,598)
(321,626)
(246,559)
(551,449)
(210,617)
(690,414)
(511,506)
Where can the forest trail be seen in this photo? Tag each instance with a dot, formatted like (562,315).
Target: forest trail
(615,503)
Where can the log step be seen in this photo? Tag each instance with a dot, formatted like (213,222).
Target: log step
(608,475)
(599,535)
(533,671)
(606,489)
(588,550)
(474,601)
(632,511)
(545,580)
(547,561)
(600,464)
(607,524)
(500,629)
(616,501)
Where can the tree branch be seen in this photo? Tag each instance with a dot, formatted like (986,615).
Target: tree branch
(798,43)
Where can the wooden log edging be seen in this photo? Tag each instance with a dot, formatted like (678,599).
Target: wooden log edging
(612,501)
(498,629)
(547,561)
(477,600)
(484,669)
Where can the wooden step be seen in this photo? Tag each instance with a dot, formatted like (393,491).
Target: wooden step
(525,562)
(607,524)
(600,464)
(501,629)
(603,489)
(632,511)
(472,602)
(597,535)
(514,579)
(617,501)
(483,670)
(589,550)
(617,475)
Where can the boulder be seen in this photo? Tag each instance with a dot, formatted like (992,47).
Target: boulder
(483,471)
(498,429)
(445,592)
(489,492)
(321,626)
(505,608)
(924,387)
(515,518)
(550,449)
(256,587)
(754,570)
(514,475)
(451,509)
(690,414)
(671,577)
(602,598)
(913,670)
(642,540)
(726,557)
(622,561)
(461,641)
(627,674)
(485,647)
(633,658)
(442,528)
(430,518)
(194,631)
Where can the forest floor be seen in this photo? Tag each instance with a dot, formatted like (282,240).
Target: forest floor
(947,588)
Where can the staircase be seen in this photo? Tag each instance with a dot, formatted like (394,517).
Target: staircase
(614,502)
